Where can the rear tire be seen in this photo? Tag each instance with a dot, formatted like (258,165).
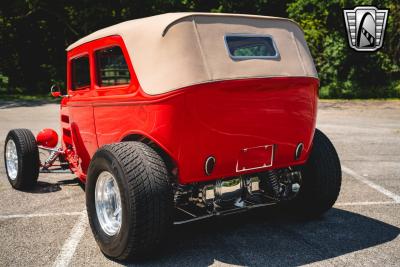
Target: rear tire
(322,177)
(23,171)
(145,196)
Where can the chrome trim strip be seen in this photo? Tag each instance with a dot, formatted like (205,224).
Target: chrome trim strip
(55,171)
(224,213)
(184,211)
(51,149)
(194,219)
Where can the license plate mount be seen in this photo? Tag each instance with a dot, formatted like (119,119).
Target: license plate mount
(255,158)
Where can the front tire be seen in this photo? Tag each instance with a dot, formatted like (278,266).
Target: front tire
(145,197)
(322,178)
(21,158)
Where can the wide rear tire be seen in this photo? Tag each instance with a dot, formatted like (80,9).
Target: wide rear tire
(322,177)
(145,195)
(21,158)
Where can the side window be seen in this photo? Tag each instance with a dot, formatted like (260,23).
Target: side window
(80,70)
(111,67)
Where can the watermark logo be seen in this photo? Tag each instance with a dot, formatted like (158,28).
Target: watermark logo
(365,27)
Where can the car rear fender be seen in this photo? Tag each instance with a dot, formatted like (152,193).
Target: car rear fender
(158,147)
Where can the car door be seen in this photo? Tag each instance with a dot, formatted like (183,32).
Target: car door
(77,110)
(115,111)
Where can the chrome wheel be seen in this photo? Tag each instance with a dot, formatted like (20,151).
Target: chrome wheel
(108,203)
(11,159)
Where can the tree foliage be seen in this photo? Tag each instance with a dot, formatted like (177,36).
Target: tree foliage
(34,34)
(343,71)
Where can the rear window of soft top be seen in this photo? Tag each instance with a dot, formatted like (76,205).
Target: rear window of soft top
(241,46)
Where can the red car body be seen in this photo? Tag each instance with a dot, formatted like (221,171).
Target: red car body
(180,117)
(223,119)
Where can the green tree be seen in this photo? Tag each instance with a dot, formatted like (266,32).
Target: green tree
(343,71)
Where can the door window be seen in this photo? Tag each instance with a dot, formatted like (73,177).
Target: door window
(111,67)
(80,73)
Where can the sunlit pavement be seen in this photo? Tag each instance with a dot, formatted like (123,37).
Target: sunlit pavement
(48,226)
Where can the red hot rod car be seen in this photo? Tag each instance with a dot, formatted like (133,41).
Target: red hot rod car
(184,116)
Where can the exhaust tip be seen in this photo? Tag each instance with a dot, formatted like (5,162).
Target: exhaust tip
(299,150)
(209,165)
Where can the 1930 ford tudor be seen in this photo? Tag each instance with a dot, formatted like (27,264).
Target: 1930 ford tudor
(183,116)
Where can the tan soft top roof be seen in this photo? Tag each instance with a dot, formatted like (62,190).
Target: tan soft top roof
(175,50)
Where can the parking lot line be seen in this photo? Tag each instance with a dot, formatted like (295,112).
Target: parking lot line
(365,203)
(70,245)
(33,215)
(371,184)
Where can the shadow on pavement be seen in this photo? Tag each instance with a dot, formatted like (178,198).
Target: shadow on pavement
(268,237)
(4,104)
(46,187)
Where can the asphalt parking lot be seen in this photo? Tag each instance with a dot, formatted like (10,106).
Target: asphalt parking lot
(48,226)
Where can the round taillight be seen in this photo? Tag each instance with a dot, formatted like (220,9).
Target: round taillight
(298,151)
(47,138)
(209,165)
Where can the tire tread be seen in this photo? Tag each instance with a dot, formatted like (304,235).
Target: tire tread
(322,178)
(150,195)
(28,159)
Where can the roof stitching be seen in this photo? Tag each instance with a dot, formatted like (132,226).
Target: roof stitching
(298,52)
(203,57)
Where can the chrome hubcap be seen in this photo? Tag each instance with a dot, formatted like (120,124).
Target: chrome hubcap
(108,203)
(11,159)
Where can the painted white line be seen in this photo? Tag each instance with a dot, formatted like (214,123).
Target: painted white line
(70,245)
(371,184)
(33,215)
(366,203)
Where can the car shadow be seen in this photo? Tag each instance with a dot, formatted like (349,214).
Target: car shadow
(5,104)
(45,187)
(269,237)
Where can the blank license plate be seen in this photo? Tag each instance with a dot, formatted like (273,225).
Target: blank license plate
(255,158)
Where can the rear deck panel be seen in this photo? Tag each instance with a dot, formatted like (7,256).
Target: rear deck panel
(224,119)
